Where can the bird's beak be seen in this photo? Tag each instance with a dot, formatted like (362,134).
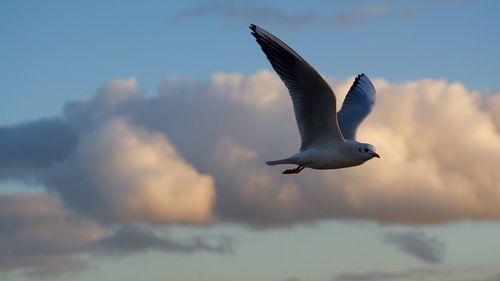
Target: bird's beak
(375,155)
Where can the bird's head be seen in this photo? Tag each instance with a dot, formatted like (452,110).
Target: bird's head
(366,151)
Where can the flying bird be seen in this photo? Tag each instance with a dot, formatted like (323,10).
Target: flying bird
(328,138)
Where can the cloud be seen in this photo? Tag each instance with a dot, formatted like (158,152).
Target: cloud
(23,149)
(122,173)
(491,104)
(415,274)
(418,244)
(439,149)
(248,13)
(329,14)
(133,238)
(38,233)
(44,239)
(195,153)
(102,165)
(66,267)
(421,274)
(269,15)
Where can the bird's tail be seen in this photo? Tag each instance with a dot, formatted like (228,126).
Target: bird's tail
(280,162)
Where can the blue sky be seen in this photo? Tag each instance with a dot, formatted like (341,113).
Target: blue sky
(55,57)
(57,51)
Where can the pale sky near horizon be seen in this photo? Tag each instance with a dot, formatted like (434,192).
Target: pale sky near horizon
(57,59)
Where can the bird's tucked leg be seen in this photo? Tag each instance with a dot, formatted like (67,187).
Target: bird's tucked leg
(295,170)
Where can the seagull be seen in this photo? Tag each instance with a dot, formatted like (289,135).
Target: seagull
(328,138)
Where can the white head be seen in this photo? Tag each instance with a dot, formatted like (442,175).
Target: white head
(365,151)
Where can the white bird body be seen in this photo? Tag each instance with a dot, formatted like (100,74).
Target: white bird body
(340,155)
(328,136)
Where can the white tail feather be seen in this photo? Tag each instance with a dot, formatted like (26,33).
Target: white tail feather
(280,162)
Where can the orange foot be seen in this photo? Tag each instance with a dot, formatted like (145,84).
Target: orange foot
(294,171)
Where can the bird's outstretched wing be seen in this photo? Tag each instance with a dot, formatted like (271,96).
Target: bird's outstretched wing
(313,99)
(357,105)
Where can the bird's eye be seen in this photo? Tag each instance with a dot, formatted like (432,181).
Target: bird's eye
(366,149)
(359,149)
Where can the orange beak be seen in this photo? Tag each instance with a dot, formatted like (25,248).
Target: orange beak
(375,155)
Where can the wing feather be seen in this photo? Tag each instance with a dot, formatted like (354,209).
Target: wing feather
(313,100)
(358,103)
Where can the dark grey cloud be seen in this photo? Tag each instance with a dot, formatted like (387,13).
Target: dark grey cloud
(330,16)
(268,15)
(28,148)
(417,274)
(418,244)
(133,238)
(66,267)
(250,13)
(42,239)
(38,234)
(465,274)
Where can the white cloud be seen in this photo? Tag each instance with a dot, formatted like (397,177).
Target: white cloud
(207,142)
(258,90)
(439,149)
(123,173)
(492,105)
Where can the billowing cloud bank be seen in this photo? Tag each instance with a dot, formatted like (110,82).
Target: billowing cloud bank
(119,172)
(195,152)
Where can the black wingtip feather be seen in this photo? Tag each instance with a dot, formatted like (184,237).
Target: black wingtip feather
(254,33)
(356,81)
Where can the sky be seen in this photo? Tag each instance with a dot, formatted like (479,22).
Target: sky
(133,136)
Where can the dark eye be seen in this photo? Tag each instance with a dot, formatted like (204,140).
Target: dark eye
(366,149)
(359,149)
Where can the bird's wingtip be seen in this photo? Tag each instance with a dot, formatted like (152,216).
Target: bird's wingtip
(254,32)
